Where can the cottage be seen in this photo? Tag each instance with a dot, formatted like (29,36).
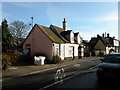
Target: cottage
(53,41)
(104,44)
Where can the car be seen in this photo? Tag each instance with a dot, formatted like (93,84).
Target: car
(109,67)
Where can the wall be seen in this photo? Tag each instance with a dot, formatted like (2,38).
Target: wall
(39,42)
(72,37)
(56,49)
(69,51)
(100,45)
(108,49)
(59,49)
(116,43)
(62,51)
(79,39)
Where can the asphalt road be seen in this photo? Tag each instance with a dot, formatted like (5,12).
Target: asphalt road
(81,75)
(87,80)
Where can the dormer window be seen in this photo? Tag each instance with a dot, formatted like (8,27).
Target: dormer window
(77,37)
(72,37)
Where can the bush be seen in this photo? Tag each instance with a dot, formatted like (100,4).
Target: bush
(9,59)
(56,59)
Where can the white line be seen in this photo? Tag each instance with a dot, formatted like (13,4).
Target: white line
(49,85)
(77,65)
(93,67)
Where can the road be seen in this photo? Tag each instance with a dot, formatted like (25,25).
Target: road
(81,75)
(86,80)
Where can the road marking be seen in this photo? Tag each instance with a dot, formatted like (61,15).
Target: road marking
(59,75)
(93,67)
(77,65)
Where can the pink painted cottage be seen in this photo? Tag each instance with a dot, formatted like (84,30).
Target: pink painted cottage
(53,41)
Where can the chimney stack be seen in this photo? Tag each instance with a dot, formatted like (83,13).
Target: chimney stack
(108,35)
(103,35)
(98,35)
(65,25)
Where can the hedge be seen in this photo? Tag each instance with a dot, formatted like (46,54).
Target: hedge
(9,59)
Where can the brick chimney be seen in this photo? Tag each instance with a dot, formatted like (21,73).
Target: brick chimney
(65,24)
(103,35)
(108,35)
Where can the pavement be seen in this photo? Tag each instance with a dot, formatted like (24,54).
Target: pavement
(16,71)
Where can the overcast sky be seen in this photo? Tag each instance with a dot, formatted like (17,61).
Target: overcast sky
(88,18)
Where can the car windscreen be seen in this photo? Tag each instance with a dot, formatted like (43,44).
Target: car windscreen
(112,58)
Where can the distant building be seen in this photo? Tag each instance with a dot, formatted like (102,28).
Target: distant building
(53,41)
(103,45)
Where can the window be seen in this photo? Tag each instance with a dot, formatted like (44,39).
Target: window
(71,51)
(27,46)
(57,51)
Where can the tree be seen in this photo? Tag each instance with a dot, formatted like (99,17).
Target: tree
(6,37)
(18,29)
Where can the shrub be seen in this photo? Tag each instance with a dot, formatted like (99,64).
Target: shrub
(9,59)
(56,59)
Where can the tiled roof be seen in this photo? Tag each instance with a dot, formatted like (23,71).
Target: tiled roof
(106,41)
(58,31)
(66,32)
(61,33)
(75,34)
(93,41)
(50,34)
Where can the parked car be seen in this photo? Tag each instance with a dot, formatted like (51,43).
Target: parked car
(109,67)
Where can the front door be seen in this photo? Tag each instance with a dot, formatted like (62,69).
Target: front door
(79,52)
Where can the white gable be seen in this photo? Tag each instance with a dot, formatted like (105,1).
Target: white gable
(72,37)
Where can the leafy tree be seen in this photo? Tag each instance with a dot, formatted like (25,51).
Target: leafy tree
(6,37)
